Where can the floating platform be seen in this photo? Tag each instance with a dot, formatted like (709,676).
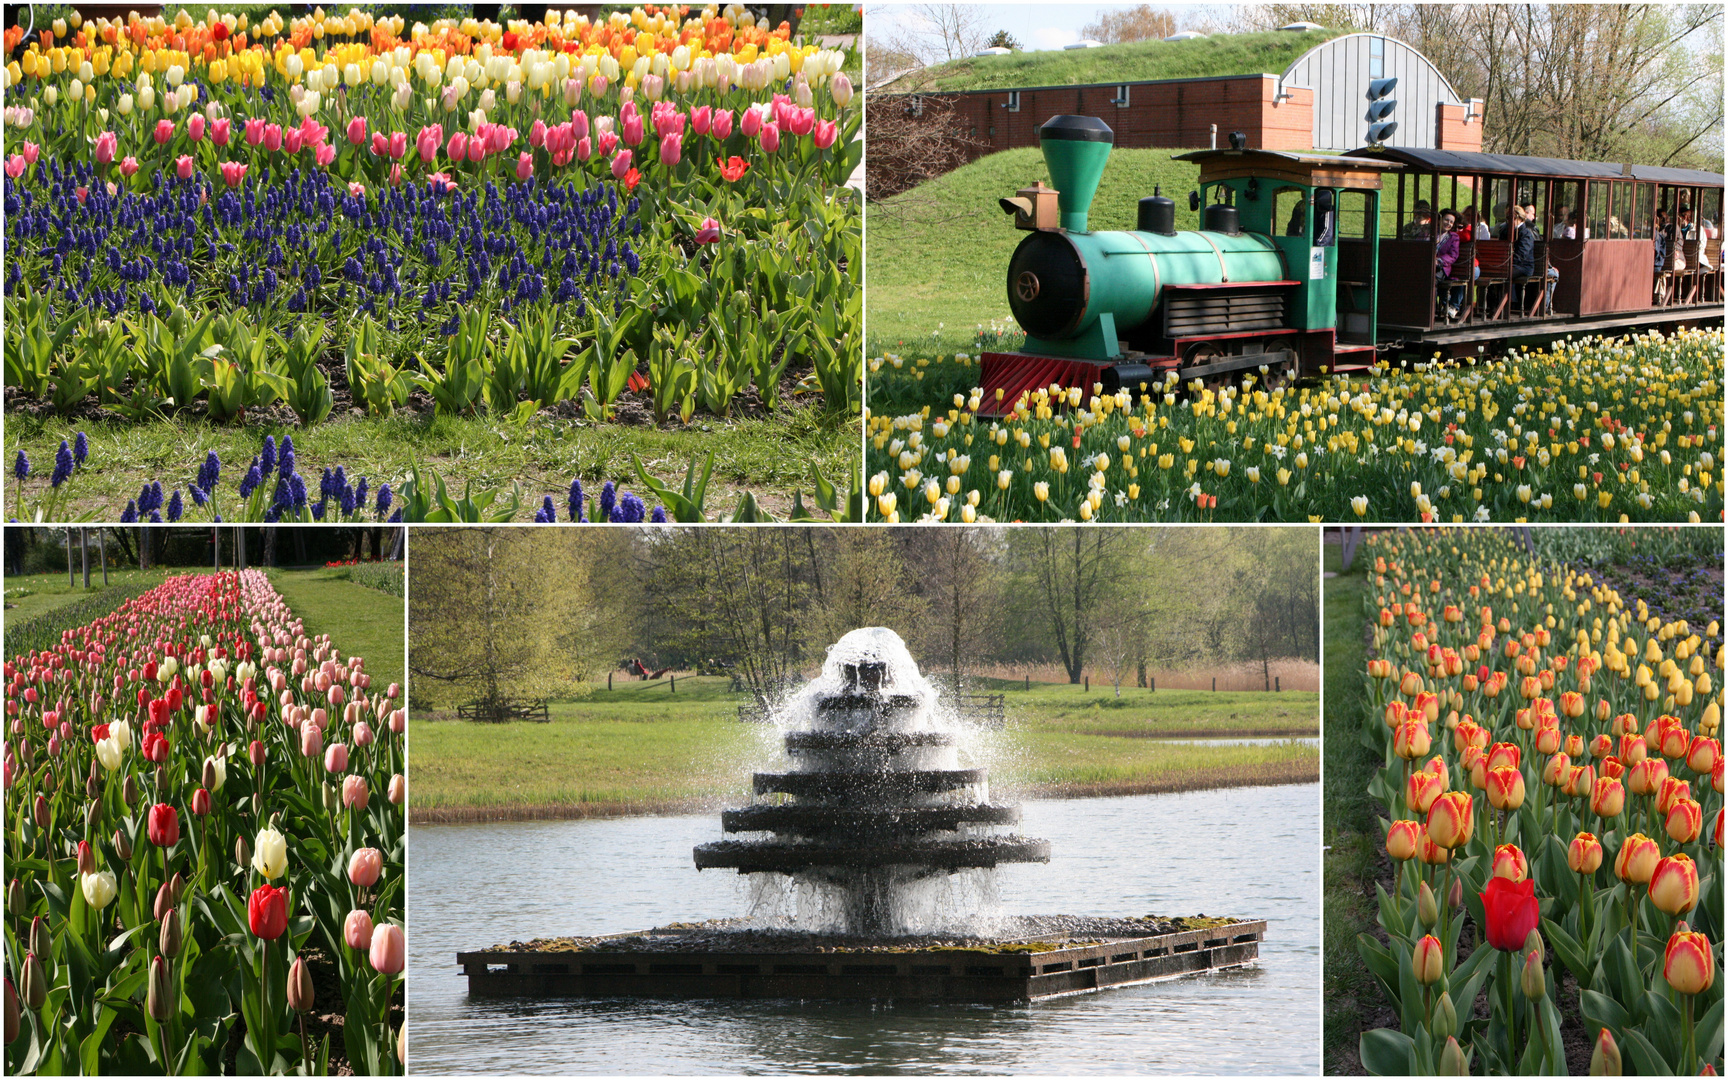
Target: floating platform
(702,962)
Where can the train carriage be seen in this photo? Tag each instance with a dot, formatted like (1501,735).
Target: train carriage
(1308,264)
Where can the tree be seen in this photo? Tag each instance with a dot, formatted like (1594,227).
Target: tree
(1143,23)
(936,32)
(962,587)
(1002,39)
(1070,572)
(863,584)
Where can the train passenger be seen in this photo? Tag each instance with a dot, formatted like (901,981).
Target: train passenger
(1474,229)
(1298,219)
(1562,229)
(1523,248)
(1445,254)
(1421,224)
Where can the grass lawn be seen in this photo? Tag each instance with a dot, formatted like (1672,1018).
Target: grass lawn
(771,457)
(360,621)
(1351,830)
(939,253)
(642,747)
(51,591)
(1220,54)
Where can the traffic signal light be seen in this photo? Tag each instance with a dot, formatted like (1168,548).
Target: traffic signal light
(1380,107)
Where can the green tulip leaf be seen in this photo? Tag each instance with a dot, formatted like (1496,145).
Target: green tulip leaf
(1385,1052)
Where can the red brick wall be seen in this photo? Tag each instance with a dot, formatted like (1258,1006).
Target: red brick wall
(1160,114)
(1452,133)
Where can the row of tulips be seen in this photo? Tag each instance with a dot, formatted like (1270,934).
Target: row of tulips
(202,803)
(1553,796)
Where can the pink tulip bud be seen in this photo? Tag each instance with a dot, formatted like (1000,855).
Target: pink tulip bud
(195,127)
(364,867)
(394,691)
(335,695)
(107,144)
(356,132)
(183,167)
(751,123)
(722,127)
(324,155)
(621,164)
(362,734)
(770,137)
(524,165)
(672,148)
(336,758)
(311,740)
(272,137)
(700,119)
(458,147)
(398,789)
(709,233)
(584,148)
(233,172)
(254,131)
(357,929)
(220,130)
(426,143)
(164,132)
(825,133)
(633,130)
(398,145)
(537,134)
(357,189)
(356,793)
(579,124)
(396,174)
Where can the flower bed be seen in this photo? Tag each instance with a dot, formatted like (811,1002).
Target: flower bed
(1552,803)
(280,220)
(1599,429)
(205,813)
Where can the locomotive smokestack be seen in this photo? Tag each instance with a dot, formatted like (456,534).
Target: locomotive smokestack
(1075,150)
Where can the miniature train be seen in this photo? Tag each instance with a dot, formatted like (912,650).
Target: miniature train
(1299,269)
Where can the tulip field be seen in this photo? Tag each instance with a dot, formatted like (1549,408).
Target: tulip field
(204,844)
(1550,797)
(634,223)
(1595,429)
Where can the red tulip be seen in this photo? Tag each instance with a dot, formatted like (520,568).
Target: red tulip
(164,825)
(267,911)
(1511,912)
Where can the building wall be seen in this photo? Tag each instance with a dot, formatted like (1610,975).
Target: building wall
(1170,113)
(1339,72)
(1453,133)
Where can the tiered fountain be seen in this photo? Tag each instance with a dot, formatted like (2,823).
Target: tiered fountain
(864,839)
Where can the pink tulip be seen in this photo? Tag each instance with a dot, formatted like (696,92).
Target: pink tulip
(195,127)
(537,134)
(398,789)
(476,149)
(232,172)
(524,165)
(358,190)
(164,132)
(634,130)
(15,166)
(751,123)
(364,867)
(336,758)
(770,137)
(709,233)
(426,143)
(183,167)
(219,131)
(579,124)
(362,734)
(584,149)
(440,182)
(292,139)
(396,174)
(399,721)
(355,792)
(254,131)
(458,147)
(608,142)
(700,119)
(356,133)
(803,121)
(324,155)
(311,740)
(672,148)
(107,144)
(312,133)
(32,152)
(357,929)
(386,950)
(272,137)
(128,165)
(398,145)
(722,126)
(621,164)
(824,135)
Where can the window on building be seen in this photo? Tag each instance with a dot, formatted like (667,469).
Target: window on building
(1122,96)
(1013,101)
(1376,58)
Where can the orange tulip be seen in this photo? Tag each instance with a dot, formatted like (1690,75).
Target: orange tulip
(1396,713)
(1504,754)
(1632,750)
(1574,746)
(1645,777)
(1505,788)
(1557,771)
(1572,704)
(1410,685)
(1548,741)
(1688,963)
(1423,789)
(1637,859)
(1703,754)
(1402,839)
(1509,863)
(1685,821)
(1670,791)
(1411,740)
(1584,856)
(1579,782)
(1601,746)
(1451,819)
(1431,853)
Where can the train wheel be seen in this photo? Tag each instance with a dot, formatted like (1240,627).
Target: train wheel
(1282,375)
(1201,354)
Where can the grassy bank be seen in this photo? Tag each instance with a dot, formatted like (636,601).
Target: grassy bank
(939,252)
(30,595)
(771,456)
(641,748)
(1351,831)
(1219,54)
(362,622)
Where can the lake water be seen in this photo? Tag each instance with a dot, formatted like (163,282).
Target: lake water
(1251,852)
